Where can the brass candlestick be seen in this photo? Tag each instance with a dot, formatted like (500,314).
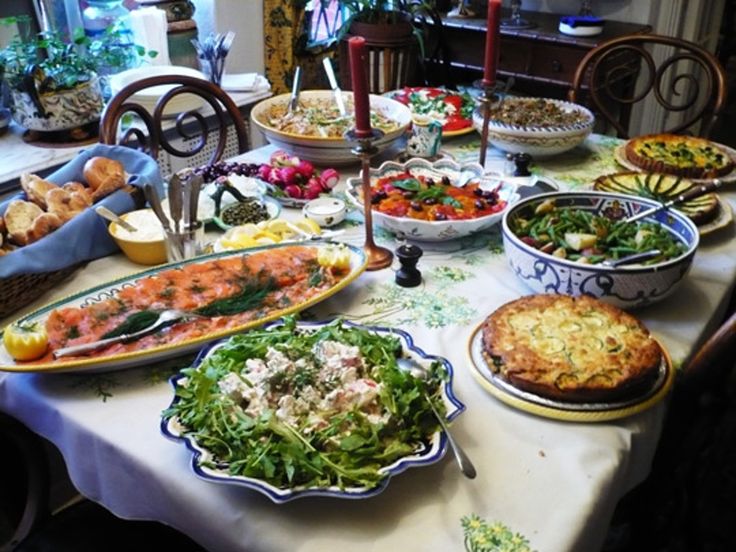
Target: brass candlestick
(378,257)
(487,97)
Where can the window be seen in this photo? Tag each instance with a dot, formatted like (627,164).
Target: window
(325,22)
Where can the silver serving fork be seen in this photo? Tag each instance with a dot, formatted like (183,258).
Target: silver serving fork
(165,319)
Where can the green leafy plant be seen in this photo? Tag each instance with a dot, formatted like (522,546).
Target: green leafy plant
(418,13)
(58,64)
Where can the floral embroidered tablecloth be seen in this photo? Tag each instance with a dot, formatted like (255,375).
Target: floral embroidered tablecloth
(542,484)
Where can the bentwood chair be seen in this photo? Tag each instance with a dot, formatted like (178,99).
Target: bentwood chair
(157,130)
(678,84)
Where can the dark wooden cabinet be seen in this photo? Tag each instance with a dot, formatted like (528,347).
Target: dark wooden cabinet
(541,59)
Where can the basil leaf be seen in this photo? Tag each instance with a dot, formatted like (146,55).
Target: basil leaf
(408,184)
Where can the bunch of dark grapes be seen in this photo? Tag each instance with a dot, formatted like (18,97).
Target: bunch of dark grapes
(226,168)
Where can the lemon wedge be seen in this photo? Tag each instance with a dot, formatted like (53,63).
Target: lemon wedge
(337,256)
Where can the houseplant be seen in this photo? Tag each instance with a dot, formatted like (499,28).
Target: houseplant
(397,25)
(54,83)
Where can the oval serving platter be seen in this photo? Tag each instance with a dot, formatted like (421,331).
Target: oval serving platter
(161,352)
(204,467)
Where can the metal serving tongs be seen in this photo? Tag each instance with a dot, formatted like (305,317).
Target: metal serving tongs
(692,193)
(335,88)
(294,99)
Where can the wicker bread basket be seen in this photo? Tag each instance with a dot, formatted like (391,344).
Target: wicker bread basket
(18,291)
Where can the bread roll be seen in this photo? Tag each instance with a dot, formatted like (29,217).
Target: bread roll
(43,224)
(98,170)
(19,217)
(66,204)
(36,188)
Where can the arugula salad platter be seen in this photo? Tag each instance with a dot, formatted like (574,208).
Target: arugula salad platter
(310,409)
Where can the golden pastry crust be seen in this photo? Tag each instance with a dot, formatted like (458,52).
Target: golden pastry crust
(686,156)
(572,349)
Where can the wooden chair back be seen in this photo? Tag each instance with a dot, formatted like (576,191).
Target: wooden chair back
(687,81)
(153,132)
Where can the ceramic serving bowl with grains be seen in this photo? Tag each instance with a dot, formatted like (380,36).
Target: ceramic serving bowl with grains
(315,130)
(538,126)
(557,254)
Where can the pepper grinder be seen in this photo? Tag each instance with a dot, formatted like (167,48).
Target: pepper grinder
(522,162)
(408,275)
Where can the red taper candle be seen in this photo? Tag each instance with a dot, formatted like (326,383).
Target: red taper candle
(493,42)
(361,101)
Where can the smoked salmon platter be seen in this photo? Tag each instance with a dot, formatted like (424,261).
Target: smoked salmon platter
(224,293)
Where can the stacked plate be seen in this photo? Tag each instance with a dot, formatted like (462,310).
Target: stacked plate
(149,96)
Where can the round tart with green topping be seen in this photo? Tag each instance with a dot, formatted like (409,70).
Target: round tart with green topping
(662,187)
(686,156)
(572,349)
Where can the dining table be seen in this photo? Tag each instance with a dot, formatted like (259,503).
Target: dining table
(543,483)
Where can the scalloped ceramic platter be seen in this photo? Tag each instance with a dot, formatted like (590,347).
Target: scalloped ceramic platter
(620,157)
(424,457)
(426,230)
(556,410)
(165,351)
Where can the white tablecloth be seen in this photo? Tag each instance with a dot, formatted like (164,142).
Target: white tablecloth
(554,482)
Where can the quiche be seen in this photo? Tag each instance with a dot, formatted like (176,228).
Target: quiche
(661,187)
(571,349)
(685,156)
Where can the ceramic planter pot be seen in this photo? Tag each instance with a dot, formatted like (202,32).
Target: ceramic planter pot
(55,111)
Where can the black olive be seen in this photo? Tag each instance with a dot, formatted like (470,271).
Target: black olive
(446,180)
(429,201)
(416,205)
(430,181)
(440,216)
(478,192)
(480,204)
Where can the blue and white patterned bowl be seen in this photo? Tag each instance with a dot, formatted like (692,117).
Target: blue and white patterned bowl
(202,459)
(627,286)
(538,141)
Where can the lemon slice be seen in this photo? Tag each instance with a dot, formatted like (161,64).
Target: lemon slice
(238,242)
(248,229)
(308,225)
(265,237)
(278,226)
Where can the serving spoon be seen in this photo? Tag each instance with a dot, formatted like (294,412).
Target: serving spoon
(420,372)
(107,214)
(165,318)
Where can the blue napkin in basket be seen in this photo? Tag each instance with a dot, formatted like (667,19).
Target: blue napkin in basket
(85,236)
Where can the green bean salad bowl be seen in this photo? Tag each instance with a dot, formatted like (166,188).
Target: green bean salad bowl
(570,243)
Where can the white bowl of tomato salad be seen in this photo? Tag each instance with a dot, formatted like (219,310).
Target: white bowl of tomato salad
(434,201)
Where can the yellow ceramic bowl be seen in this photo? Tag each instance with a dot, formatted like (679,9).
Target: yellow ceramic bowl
(146,245)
